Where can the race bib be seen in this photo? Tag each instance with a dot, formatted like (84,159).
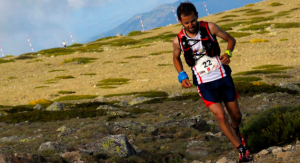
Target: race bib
(206,64)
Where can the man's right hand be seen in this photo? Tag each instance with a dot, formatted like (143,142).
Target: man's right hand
(186,83)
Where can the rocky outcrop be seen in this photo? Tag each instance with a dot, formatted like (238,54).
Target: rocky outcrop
(56,107)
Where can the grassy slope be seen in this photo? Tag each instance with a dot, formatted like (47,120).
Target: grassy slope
(28,81)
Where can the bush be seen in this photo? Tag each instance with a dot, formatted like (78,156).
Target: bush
(259,40)
(136,33)
(273,4)
(80,60)
(6,61)
(276,126)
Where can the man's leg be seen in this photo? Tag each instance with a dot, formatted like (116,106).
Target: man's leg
(219,112)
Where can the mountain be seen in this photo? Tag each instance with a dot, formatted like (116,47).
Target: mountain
(163,15)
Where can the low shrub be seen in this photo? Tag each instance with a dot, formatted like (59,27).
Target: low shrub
(229,16)
(274,4)
(267,66)
(56,51)
(249,5)
(141,94)
(76,97)
(239,34)
(132,57)
(161,52)
(112,82)
(75,45)
(273,127)
(246,79)
(279,76)
(64,77)
(164,65)
(106,38)
(40,101)
(80,60)
(23,57)
(66,92)
(166,37)
(136,33)
(57,70)
(259,40)
(283,39)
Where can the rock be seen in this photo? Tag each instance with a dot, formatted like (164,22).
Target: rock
(262,153)
(277,150)
(222,160)
(56,146)
(38,107)
(72,157)
(117,145)
(194,143)
(118,113)
(139,100)
(287,148)
(107,107)
(263,107)
(123,103)
(65,131)
(56,107)
(195,161)
(290,86)
(197,151)
(283,154)
(137,126)
(10,139)
(3,124)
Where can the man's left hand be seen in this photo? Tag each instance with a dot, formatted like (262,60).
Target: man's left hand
(225,59)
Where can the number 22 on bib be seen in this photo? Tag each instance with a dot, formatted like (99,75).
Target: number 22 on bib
(207,64)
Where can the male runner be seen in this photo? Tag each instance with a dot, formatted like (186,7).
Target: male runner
(211,73)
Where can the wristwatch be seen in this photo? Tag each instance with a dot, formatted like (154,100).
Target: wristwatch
(229,52)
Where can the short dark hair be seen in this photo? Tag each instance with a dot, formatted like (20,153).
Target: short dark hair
(186,8)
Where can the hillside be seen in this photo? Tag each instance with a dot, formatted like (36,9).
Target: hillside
(123,91)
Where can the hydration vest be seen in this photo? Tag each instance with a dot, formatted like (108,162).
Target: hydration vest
(209,43)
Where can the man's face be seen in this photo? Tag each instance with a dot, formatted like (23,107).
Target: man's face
(189,22)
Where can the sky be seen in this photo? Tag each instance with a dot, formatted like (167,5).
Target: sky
(48,22)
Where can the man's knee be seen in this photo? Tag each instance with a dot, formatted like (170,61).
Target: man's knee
(221,117)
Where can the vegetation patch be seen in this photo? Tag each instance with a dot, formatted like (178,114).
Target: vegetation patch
(157,28)
(136,33)
(66,92)
(239,34)
(287,25)
(258,40)
(279,76)
(246,79)
(166,37)
(132,57)
(124,41)
(164,65)
(56,51)
(274,4)
(64,77)
(242,10)
(229,16)
(267,66)
(249,89)
(19,109)
(76,97)
(256,27)
(161,52)
(23,57)
(12,77)
(244,42)
(46,116)
(185,96)
(249,5)
(224,20)
(139,46)
(273,127)
(267,71)
(80,60)
(107,62)
(75,45)
(229,26)
(123,62)
(92,47)
(262,32)
(40,101)
(256,12)
(112,82)
(283,39)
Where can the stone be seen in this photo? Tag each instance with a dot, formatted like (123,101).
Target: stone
(65,131)
(283,154)
(56,107)
(107,107)
(56,146)
(116,145)
(118,113)
(222,160)
(263,153)
(287,148)
(277,150)
(290,86)
(38,107)
(137,126)
(139,100)
(194,143)
(72,157)
(123,103)
(10,139)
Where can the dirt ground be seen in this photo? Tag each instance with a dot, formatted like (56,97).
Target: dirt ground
(25,80)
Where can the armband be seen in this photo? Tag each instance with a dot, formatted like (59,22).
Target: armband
(229,52)
(182,75)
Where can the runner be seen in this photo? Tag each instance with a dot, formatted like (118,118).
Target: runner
(64,43)
(211,73)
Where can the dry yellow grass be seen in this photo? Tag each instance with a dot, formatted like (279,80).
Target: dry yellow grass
(144,73)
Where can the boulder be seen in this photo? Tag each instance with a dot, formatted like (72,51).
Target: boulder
(38,107)
(107,107)
(197,151)
(55,146)
(56,107)
(137,126)
(65,131)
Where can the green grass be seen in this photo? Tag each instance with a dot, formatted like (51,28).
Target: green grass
(136,33)
(75,45)
(80,60)
(246,79)
(124,41)
(242,10)
(75,97)
(56,51)
(283,39)
(157,28)
(132,57)
(262,32)
(279,76)
(239,34)
(57,70)
(91,47)
(273,127)
(139,46)
(165,37)
(267,66)
(165,65)
(229,16)
(106,38)
(65,77)
(23,57)
(186,96)
(161,52)
(258,72)
(11,77)
(41,87)
(122,62)
(66,92)
(249,5)
(274,4)
(224,20)
(112,82)
(106,62)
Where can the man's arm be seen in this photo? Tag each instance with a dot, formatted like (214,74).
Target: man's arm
(216,30)
(177,62)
